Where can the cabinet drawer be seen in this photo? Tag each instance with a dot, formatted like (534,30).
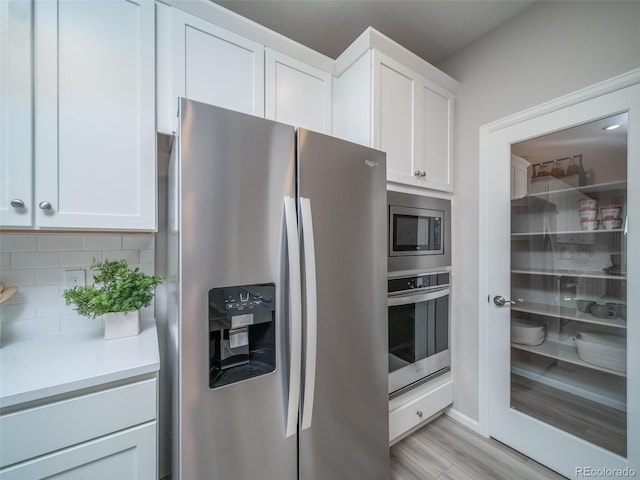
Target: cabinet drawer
(414,412)
(124,455)
(36,431)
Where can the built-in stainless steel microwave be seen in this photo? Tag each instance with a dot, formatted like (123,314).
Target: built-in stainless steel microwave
(419,232)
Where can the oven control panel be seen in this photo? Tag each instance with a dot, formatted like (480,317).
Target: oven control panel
(418,282)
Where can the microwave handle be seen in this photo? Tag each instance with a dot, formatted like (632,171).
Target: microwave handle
(295,315)
(418,297)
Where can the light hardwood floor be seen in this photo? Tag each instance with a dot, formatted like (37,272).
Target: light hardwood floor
(583,418)
(446,450)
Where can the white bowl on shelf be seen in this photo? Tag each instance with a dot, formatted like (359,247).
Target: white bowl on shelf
(527,332)
(602,350)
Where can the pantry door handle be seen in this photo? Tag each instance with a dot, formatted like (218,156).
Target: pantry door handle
(500,301)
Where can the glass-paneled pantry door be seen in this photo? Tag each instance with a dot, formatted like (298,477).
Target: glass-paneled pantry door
(563,303)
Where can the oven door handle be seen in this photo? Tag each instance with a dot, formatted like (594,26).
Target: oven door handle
(418,297)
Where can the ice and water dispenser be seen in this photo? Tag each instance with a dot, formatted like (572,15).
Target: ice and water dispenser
(242,333)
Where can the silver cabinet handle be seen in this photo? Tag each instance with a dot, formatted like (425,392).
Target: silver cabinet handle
(423,174)
(419,413)
(417,173)
(17,203)
(500,301)
(44,205)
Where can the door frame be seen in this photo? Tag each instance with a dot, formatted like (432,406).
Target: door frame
(487,133)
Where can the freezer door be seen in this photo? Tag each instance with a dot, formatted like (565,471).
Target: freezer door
(233,176)
(344,428)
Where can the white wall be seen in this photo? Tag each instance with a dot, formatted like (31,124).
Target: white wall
(549,50)
(36,262)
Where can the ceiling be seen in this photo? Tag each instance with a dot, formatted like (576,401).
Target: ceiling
(432,29)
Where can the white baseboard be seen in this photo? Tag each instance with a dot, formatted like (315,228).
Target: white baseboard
(461,418)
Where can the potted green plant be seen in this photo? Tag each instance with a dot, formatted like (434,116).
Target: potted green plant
(117,295)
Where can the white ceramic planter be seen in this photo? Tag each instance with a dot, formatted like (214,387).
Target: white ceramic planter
(121,324)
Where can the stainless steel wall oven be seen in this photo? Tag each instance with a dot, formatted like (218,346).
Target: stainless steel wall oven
(418,308)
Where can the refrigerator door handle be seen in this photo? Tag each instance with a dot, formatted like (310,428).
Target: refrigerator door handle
(311,301)
(295,315)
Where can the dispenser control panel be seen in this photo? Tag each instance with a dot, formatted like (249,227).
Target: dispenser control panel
(242,325)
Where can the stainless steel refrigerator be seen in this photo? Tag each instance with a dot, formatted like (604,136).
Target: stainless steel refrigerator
(276,302)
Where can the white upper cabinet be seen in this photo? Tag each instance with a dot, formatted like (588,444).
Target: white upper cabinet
(215,66)
(437,136)
(396,116)
(297,93)
(93,144)
(16,148)
(388,98)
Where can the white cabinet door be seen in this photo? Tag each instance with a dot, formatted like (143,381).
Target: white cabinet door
(215,66)
(395,117)
(15,114)
(127,455)
(94,114)
(297,93)
(436,136)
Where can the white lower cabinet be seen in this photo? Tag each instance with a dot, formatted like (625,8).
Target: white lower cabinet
(126,455)
(108,434)
(413,409)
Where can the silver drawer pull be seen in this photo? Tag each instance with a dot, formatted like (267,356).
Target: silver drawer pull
(17,203)
(44,205)
(419,413)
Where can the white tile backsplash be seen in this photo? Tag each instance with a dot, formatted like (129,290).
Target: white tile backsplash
(17,242)
(15,312)
(78,259)
(147,256)
(34,259)
(18,278)
(131,256)
(102,242)
(59,242)
(49,276)
(36,262)
(5,259)
(137,242)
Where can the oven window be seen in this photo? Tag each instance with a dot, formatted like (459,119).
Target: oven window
(417,331)
(416,232)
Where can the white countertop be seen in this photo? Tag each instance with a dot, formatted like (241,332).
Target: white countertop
(36,368)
